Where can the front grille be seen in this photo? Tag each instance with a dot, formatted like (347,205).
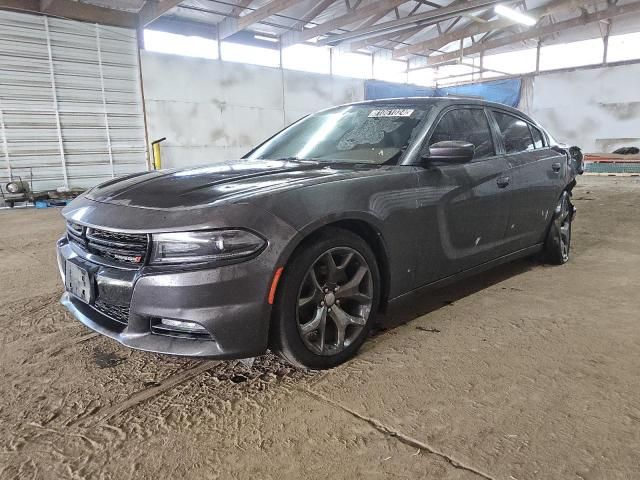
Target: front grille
(127,248)
(120,247)
(119,313)
(75,233)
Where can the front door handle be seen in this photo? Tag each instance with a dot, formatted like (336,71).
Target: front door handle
(556,166)
(502,182)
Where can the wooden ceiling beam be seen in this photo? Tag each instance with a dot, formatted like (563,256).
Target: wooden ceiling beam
(353,16)
(75,11)
(25,5)
(454,9)
(313,13)
(240,7)
(357,45)
(45,4)
(229,25)
(399,38)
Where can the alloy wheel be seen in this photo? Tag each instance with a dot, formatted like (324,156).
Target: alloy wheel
(334,301)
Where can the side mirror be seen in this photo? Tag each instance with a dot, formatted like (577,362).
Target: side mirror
(449,152)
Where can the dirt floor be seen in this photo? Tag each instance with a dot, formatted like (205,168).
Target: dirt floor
(527,371)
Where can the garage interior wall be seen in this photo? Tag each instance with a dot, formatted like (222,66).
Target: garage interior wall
(600,115)
(211,110)
(70,102)
(71,108)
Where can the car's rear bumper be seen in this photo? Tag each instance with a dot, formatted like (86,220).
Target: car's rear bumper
(230,302)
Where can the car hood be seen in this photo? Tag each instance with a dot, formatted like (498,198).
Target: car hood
(226,182)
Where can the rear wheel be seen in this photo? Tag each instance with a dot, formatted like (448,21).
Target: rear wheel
(558,242)
(326,301)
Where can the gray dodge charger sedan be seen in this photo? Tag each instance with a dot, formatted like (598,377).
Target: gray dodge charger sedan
(296,246)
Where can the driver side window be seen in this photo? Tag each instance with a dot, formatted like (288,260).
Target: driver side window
(468,125)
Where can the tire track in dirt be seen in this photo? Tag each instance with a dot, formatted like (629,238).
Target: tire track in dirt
(57,349)
(103,415)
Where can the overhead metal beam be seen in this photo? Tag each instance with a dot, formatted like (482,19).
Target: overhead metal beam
(398,38)
(229,26)
(371,20)
(152,10)
(405,35)
(357,45)
(584,19)
(313,13)
(75,11)
(435,44)
(453,10)
(238,9)
(353,16)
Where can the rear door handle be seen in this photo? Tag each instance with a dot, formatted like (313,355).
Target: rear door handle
(502,182)
(556,166)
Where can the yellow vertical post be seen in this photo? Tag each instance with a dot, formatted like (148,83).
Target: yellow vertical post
(157,156)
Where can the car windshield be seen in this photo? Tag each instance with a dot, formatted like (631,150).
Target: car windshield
(369,133)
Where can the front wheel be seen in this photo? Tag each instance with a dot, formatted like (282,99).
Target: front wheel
(558,241)
(326,301)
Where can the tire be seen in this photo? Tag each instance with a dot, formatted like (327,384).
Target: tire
(334,275)
(558,242)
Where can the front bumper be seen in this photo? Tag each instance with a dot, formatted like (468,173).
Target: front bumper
(230,302)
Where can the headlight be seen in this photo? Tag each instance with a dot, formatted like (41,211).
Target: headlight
(190,247)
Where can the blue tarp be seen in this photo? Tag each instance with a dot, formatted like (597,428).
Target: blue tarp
(376,90)
(506,92)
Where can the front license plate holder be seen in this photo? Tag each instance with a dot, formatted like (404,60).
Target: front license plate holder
(78,282)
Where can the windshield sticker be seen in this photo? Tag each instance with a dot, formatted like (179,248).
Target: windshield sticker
(392,112)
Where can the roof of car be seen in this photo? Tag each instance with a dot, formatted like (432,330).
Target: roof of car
(437,100)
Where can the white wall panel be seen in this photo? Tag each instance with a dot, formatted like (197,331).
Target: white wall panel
(599,116)
(70,101)
(204,127)
(213,111)
(172,77)
(248,126)
(311,92)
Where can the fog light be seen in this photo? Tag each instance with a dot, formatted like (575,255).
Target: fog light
(182,326)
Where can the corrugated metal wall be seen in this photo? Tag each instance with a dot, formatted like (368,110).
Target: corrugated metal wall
(70,102)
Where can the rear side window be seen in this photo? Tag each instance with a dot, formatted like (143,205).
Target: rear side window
(537,137)
(468,125)
(516,135)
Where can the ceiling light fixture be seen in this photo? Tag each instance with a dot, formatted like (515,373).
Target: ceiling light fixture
(266,39)
(514,15)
